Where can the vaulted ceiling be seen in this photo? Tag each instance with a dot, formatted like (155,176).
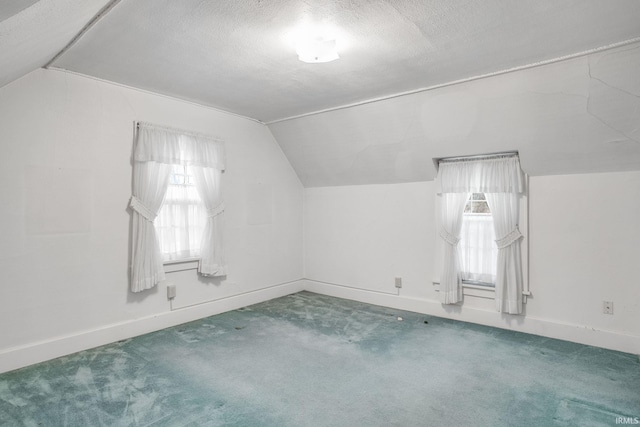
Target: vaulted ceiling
(237,55)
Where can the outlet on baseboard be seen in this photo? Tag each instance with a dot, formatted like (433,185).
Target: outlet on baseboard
(171,291)
(607,307)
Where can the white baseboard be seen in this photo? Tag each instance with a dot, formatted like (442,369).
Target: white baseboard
(19,357)
(581,334)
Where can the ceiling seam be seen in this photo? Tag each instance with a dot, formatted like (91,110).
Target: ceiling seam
(98,16)
(465,80)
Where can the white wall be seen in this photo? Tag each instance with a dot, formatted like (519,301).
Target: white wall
(65,183)
(364,236)
(583,231)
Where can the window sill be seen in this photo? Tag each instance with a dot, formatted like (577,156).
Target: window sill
(478,285)
(480,291)
(468,289)
(174,265)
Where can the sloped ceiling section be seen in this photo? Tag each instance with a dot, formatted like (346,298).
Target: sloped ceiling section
(576,116)
(236,55)
(10,8)
(32,32)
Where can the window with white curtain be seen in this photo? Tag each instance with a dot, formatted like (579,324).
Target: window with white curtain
(478,250)
(482,210)
(176,203)
(182,218)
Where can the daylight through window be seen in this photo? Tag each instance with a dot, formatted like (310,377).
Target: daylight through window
(478,249)
(182,217)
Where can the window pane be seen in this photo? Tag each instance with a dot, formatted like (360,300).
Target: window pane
(482,207)
(182,217)
(479,253)
(176,179)
(477,204)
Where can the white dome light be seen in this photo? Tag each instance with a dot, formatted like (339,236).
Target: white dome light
(316,50)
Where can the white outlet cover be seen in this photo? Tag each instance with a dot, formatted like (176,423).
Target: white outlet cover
(171,291)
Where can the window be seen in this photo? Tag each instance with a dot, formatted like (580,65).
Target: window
(478,250)
(176,203)
(181,220)
(472,191)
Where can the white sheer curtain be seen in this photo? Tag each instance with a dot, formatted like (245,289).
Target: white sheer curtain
(478,248)
(502,178)
(208,182)
(451,208)
(157,150)
(505,209)
(150,180)
(182,218)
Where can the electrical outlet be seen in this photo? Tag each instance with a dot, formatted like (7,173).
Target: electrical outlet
(171,291)
(607,307)
(398,282)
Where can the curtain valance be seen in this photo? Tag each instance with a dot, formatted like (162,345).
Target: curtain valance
(171,146)
(483,175)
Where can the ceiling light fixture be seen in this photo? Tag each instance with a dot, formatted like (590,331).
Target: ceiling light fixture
(316,50)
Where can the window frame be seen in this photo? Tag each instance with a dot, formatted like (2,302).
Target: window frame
(173,266)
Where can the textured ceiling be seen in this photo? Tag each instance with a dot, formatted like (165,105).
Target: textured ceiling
(234,55)
(576,115)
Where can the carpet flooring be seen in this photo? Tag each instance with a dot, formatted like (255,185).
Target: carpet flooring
(313,360)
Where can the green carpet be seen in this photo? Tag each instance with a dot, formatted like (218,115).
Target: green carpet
(312,360)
